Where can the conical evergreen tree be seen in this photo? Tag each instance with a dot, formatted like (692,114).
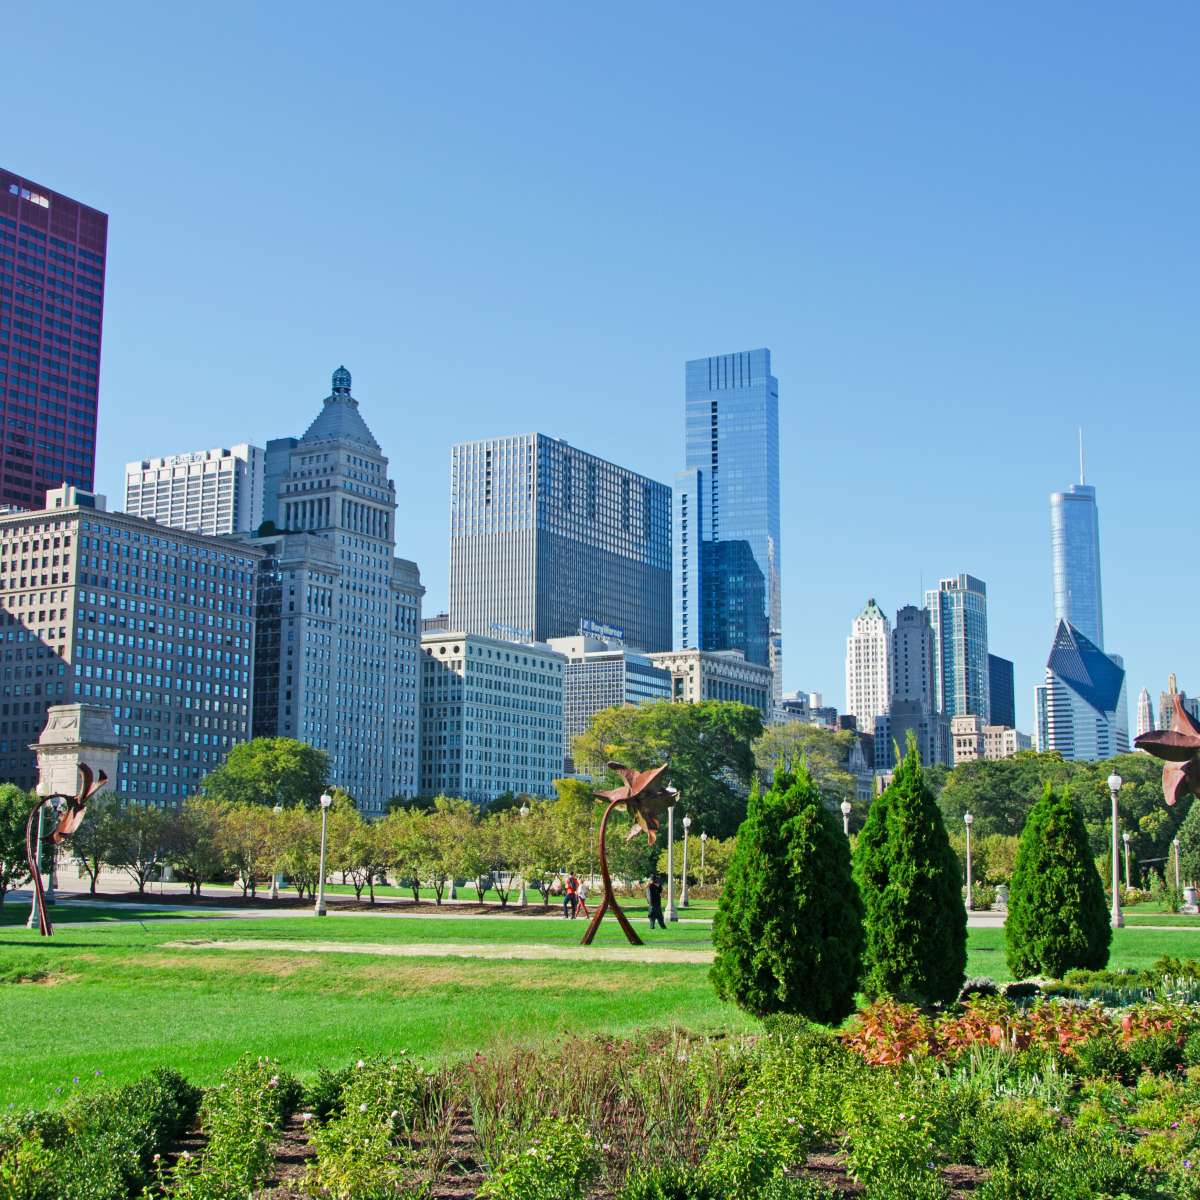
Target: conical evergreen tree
(1057,915)
(788,929)
(908,875)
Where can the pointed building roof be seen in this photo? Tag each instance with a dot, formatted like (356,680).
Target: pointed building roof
(340,420)
(1085,668)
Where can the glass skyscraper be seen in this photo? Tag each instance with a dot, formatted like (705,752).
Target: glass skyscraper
(958,614)
(727,554)
(1075,560)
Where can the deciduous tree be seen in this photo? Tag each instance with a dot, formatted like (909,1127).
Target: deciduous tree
(15,807)
(270,771)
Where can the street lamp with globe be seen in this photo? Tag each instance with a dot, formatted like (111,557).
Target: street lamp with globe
(319,909)
(846,808)
(683,891)
(1126,839)
(523,901)
(1114,787)
(275,874)
(968,821)
(703,844)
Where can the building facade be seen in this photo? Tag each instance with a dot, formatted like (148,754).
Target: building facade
(966,739)
(719,675)
(53,253)
(1145,713)
(601,674)
(868,667)
(1081,708)
(339,615)
(1002,692)
(958,617)
(548,541)
(155,624)
(1075,561)
(1166,702)
(1002,741)
(726,544)
(914,700)
(491,717)
(216,492)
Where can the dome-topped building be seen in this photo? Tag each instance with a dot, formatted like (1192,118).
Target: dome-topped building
(340,419)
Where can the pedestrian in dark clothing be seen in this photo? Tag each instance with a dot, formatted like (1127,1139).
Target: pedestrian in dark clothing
(570,897)
(654,899)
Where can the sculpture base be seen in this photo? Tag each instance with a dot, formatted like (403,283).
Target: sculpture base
(622,920)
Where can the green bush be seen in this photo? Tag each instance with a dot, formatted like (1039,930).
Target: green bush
(558,1162)
(787,934)
(1160,1053)
(908,875)
(1057,915)
(1065,1165)
(1100,1058)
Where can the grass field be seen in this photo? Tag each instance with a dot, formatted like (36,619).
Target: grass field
(114,990)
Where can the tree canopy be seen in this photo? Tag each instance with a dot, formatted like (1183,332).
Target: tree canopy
(270,771)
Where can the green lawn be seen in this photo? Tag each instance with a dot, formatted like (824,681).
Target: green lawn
(115,997)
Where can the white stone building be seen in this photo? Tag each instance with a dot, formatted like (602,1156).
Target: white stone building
(718,675)
(216,492)
(868,667)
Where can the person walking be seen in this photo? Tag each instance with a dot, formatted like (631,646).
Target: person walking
(581,898)
(570,896)
(654,900)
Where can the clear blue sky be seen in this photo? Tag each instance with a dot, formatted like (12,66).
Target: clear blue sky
(962,231)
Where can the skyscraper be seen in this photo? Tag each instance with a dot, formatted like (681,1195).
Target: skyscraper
(52,260)
(548,541)
(337,655)
(727,552)
(217,492)
(1081,709)
(913,704)
(1145,713)
(1002,696)
(958,614)
(868,667)
(1075,559)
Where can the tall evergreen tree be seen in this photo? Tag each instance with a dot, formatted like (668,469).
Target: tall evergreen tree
(916,921)
(1057,915)
(788,929)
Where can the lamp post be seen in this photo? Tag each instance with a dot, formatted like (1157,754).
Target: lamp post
(1178,873)
(703,843)
(34,921)
(523,902)
(326,801)
(275,874)
(1125,839)
(683,891)
(672,915)
(1114,786)
(845,807)
(968,821)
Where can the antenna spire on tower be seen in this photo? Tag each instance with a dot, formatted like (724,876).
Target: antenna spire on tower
(1082,480)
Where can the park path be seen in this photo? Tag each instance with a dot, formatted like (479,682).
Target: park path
(643,954)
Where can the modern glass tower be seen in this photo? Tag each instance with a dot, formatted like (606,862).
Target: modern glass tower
(958,614)
(1075,560)
(727,554)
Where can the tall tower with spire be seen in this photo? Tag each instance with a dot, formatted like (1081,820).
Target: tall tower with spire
(1075,557)
(337,646)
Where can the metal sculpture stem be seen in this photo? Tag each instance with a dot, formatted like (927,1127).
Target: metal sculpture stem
(609,900)
(35,868)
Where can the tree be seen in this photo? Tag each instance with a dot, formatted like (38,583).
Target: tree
(245,836)
(707,744)
(270,771)
(92,843)
(192,841)
(458,856)
(408,835)
(138,841)
(999,793)
(15,807)
(1189,847)
(293,846)
(788,929)
(1057,916)
(536,848)
(825,753)
(908,875)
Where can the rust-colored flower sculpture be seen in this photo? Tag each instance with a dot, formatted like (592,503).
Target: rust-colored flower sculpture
(645,797)
(1179,747)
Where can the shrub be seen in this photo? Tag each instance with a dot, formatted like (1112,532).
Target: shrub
(1100,1058)
(1057,917)
(669,1182)
(1160,1052)
(787,933)
(915,923)
(559,1162)
(1065,1165)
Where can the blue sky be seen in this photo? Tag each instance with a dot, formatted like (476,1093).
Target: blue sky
(962,231)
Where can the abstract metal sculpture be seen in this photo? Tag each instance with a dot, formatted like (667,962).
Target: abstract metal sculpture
(645,799)
(1179,747)
(68,823)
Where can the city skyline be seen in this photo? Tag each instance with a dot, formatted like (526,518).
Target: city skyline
(880,317)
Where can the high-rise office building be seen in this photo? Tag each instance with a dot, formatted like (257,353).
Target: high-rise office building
(958,615)
(868,667)
(1075,560)
(339,616)
(1081,708)
(157,624)
(491,717)
(601,674)
(1166,703)
(1002,693)
(1145,713)
(717,675)
(217,492)
(52,261)
(727,552)
(913,706)
(548,541)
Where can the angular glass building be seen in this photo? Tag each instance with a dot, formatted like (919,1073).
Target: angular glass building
(1075,560)
(548,541)
(727,551)
(1081,707)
